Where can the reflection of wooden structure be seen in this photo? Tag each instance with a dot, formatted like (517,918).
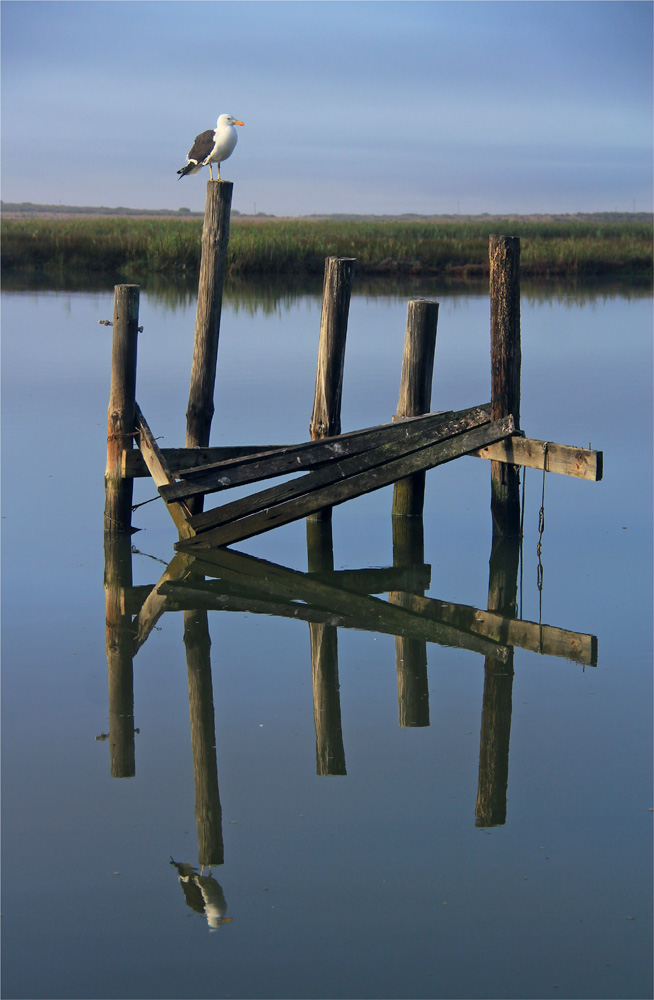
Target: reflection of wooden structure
(226,580)
(335,467)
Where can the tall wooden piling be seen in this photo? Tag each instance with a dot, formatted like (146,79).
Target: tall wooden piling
(122,405)
(326,415)
(504,255)
(215,238)
(415,392)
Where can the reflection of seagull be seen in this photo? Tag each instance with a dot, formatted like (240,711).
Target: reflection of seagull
(203,894)
(212,146)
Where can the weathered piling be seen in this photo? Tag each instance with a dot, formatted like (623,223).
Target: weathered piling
(337,287)
(215,239)
(326,414)
(415,392)
(122,406)
(504,255)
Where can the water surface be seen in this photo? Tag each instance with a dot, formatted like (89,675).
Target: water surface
(380,882)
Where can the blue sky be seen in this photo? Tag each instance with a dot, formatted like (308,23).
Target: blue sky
(430,107)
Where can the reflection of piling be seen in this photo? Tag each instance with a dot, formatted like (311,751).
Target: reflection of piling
(326,415)
(215,239)
(498,690)
(208,813)
(120,651)
(122,403)
(330,752)
(410,654)
(504,253)
(415,392)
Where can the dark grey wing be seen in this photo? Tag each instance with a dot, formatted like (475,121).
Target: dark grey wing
(202,146)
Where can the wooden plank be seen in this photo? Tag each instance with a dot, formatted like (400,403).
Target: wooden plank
(289,458)
(335,485)
(185,460)
(546,639)
(161,473)
(370,613)
(564,459)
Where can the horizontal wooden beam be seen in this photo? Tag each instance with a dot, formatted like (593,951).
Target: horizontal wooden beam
(562,458)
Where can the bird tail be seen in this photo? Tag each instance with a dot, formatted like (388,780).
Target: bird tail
(190,168)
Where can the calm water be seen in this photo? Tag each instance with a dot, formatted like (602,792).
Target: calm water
(378,882)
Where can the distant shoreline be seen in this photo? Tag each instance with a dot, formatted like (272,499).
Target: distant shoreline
(29,210)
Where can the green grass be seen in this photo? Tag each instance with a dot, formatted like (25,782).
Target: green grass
(129,247)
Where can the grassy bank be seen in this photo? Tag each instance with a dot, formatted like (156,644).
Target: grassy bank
(128,247)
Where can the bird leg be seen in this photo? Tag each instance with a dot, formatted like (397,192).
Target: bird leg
(210,171)
(218,171)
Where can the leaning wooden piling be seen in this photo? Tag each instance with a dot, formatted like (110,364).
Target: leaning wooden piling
(215,239)
(504,255)
(415,392)
(122,406)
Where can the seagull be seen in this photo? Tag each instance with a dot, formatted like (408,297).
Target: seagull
(212,146)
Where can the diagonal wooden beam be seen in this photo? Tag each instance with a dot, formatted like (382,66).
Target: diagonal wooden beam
(294,458)
(339,482)
(161,473)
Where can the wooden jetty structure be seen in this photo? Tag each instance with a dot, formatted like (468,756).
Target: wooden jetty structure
(333,468)
(337,466)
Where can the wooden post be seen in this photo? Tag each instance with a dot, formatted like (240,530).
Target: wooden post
(215,238)
(122,403)
(337,287)
(415,392)
(504,254)
(326,415)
